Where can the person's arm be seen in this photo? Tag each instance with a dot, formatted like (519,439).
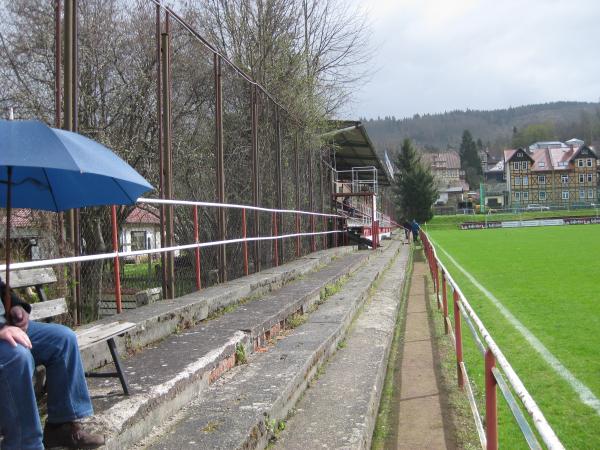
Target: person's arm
(14,298)
(19,313)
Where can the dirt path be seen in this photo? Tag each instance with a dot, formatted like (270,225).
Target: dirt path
(421,422)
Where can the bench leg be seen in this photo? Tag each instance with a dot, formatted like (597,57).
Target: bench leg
(119,371)
(115,356)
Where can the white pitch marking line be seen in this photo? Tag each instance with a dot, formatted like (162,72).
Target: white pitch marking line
(585,394)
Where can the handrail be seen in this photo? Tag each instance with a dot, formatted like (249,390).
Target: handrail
(493,355)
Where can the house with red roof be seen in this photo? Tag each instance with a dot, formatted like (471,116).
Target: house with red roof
(141,230)
(551,174)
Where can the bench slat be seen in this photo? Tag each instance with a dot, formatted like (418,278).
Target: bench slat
(49,308)
(32,277)
(90,336)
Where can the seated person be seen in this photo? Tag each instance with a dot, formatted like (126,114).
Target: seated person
(23,345)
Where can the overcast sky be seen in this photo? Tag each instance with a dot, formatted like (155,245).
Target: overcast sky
(440,55)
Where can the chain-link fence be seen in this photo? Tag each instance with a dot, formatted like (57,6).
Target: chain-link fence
(120,84)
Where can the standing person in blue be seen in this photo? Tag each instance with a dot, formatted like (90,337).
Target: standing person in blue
(23,345)
(415,230)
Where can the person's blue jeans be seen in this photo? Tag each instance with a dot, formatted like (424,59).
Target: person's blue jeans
(54,346)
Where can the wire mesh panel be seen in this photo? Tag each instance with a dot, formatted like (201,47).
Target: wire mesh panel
(146,85)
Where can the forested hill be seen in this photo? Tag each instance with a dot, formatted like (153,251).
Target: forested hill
(494,128)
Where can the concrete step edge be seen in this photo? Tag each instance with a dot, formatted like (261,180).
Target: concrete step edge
(257,435)
(142,413)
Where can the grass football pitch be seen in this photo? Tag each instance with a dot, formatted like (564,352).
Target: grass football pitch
(549,279)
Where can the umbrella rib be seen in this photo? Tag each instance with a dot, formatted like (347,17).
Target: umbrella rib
(51,191)
(132,200)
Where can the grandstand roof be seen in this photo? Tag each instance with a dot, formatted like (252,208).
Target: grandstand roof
(353,148)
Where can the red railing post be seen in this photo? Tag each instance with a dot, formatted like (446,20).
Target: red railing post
(437,282)
(491,402)
(445,301)
(458,339)
(297,237)
(275,247)
(117,267)
(245,244)
(197,249)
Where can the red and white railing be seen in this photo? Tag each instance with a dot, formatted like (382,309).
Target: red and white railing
(499,374)
(276,235)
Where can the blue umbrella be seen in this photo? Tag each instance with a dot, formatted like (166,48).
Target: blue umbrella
(56,170)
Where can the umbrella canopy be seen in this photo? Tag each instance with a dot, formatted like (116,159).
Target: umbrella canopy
(57,170)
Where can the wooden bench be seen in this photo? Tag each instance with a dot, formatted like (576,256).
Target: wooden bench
(86,336)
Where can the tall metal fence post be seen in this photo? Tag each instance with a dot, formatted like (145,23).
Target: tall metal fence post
(220,164)
(245,244)
(458,340)
(161,185)
(445,301)
(297,192)
(491,402)
(279,177)
(197,249)
(255,174)
(167,168)
(116,265)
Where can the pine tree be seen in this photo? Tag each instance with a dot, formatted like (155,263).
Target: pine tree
(414,185)
(469,160)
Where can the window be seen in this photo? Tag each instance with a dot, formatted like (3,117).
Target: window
(581,193)
(524,165)
(565,195)
(581,178)
(542,179)
(517,181)
(138,240)
(564,179)
(542,195)
(525,180)
(517,196)
(525,195)
(541,164)
(590,193)
(580,163)
(590,178)
(517,165)
(589,162)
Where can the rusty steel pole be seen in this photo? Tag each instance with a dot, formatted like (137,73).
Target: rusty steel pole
(57,63)
(321,184)
(297,192)
(279,177)
(255,174)
(220,164)
(311,199)
(167,169)
(76,212)
(161,189)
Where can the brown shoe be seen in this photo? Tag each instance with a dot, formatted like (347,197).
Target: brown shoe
(70,435)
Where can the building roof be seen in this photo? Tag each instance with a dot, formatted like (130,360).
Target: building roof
(143,216)
(443,160)
(550,158)
(355,149)
(19,218)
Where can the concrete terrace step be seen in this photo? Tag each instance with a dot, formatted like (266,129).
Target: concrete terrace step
(340,408)
(167,375)
(242,409)
(161,319)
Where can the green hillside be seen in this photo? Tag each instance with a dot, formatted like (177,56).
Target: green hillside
(495,128)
